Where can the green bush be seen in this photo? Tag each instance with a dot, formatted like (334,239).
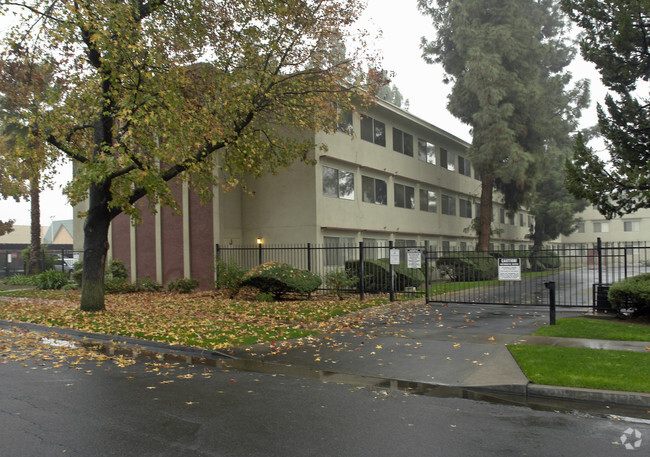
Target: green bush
(264,297)
(117,285)
(51,280)
(229,277)
(117,269)
(468,266)
(19,280)
(542,260)
(376,276)
(279,278)
(341,281)
(77,272)
(47,260)
(183,285)
(632,293)
(147,285)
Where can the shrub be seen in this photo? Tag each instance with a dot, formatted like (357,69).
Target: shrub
(541,260)
(279,278)
(47,260)
(376,276)
(632,293)
(229,277)
(117,285)
(19,280)
(147,285)
(117,269)
(264,297)
(77,272)
(51,280)
(468,266)
(183,285)
(341,281)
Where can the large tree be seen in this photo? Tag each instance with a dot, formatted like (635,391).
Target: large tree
(153,90)
(21,152)
(506,60)
(616,39)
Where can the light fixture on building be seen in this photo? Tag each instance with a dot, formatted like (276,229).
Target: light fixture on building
(259,240)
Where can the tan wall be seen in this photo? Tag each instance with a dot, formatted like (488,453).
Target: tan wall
(615,228)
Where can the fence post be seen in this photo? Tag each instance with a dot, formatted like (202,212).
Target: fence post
(216,262)
(391,273)
(426,271)
(361,272)
(599,248)
(309,256)
(259,256)
(551,289)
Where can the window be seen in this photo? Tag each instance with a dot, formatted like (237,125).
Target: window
(448,204)
(502,215)
(402,142)
(477,211)
(426,151)
(465,208)
(447,159)
(632,226)
(522,220)
(374,248)
(428,201)
(338,250)
(601,227)
(464,166)
(338,184)
(373,130)
(511,218)
(531,221)
(404,196)
(374,190)
(581,227)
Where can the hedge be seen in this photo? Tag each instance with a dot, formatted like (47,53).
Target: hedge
(632,293)
(377,275)
(279,278)
(468,266)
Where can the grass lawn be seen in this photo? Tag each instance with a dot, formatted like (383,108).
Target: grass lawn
(588,368)
(204,319)
(597,329)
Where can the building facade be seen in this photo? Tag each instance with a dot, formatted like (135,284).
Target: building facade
(630,228)
(386,175)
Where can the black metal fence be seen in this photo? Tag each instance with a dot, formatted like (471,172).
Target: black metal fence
(581,272)
(14,261)
(369,268)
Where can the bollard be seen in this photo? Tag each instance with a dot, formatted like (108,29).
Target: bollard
(550,285)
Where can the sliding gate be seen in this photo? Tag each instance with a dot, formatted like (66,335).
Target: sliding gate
(581,273)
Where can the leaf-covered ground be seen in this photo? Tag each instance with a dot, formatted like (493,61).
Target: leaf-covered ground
(206,320)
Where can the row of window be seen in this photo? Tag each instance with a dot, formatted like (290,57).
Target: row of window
(374,131)
(603,227)
(340,184)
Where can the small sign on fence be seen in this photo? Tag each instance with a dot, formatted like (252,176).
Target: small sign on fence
(414,259)
(394,256)
(509,269)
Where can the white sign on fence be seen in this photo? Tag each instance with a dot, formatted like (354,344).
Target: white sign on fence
(394,256)
(509,269)
(414,259)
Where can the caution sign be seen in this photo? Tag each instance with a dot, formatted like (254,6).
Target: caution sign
(509,269)
(414,258)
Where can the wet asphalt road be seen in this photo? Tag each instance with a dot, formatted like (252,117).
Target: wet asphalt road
(176,410)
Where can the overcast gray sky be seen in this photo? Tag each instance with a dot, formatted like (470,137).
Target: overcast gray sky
(402,27)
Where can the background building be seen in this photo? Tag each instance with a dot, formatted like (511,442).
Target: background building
(386,175)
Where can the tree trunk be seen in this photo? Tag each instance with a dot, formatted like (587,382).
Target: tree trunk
(485,220)
(538,237)
(95,249)
(35,255)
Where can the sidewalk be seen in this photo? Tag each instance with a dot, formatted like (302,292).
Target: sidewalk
(455,350)
(459,348)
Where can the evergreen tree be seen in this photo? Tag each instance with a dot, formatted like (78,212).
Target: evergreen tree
(615,38)
(506,60)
